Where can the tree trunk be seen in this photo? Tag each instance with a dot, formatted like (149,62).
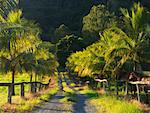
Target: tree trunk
(35,84)
(31,85)
(31,76)
(13,80)
(35,78)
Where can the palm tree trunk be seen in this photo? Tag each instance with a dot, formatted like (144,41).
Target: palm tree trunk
(31,76)
(35,77)
(35,84)
(13,80)
(31,84)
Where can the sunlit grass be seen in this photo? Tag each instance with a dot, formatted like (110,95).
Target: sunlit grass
(72,84)
(69,97)
(20,105)
(111,104)
(6,78)
(66,88)
(69,94)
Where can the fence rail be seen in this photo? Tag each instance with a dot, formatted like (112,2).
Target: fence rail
(34,87)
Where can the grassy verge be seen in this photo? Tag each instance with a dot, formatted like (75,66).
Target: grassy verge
(20,105)
(110,104)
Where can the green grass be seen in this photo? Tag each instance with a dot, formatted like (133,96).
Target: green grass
(28,105)
(7,79)
(20,105)
(69,98)
(69,94)
(66,88)
(110,104)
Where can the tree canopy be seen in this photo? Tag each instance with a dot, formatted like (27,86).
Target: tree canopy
(115,49)
(96,22)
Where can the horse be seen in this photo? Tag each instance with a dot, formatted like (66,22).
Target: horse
(132,77)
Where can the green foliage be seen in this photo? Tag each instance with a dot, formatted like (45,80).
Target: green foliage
(86,63)
(49,46)
(115,49)
(21,48)
(61,32)
(96,21)
(16,42)
(136,27)
(7,5)
(52,14)
(70,43)
(42,61)
(67,45)
(134,20)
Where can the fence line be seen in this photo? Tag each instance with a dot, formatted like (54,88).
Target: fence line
(34,87)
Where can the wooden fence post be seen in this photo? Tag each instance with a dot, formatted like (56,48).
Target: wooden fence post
(22,90)
(126,90)
(32,87)
(138,92)
(104,86)
(10,94)
(40,87)
(33,90)
(146,93)
(35,87)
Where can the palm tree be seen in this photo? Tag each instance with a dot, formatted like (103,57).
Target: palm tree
(125,46)
(17,38)
(136,26)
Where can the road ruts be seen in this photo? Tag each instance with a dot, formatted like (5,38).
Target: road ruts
(54,106)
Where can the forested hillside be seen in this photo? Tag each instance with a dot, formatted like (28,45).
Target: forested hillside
(50,14)
(58,18)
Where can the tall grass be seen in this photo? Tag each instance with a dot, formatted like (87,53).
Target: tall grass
(20,105)
(111,104)
(6,78)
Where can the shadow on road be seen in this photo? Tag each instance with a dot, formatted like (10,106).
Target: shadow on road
(79,106)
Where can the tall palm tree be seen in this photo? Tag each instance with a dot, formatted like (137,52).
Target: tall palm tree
(18,36)
(136,27)
(125,46)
